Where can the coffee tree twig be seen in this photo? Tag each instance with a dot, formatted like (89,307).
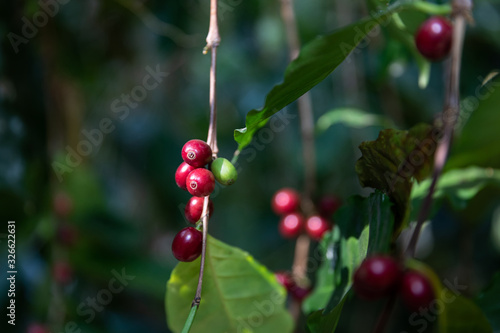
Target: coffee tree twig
(213,41)
(304,105)
(461,13)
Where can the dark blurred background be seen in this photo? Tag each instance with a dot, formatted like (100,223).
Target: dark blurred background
(90,141)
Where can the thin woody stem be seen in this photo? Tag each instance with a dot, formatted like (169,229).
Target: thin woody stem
(299,268)
(213,41)
(385,315)
(461,13)
(304,105)
(212,131)
(205,214)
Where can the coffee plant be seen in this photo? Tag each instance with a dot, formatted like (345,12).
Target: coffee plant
(359,233)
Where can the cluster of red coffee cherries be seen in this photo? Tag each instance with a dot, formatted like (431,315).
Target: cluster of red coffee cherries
(433,38)
(286,203)
(380,276)
(193,176)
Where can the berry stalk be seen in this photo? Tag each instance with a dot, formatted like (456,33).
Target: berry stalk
(205,218)
(385,315)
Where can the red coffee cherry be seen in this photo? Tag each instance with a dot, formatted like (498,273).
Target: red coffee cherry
(181,174)
(285,201)
(376,277)
(416,290)
(200,182)
(187,244)
(196,153)
(299,293)
(316,226)
(328,205)
(291,225)
(285,279)
(194,209)
(433,38)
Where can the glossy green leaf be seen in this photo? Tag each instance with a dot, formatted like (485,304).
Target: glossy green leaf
(381,221)
(350,117)
(459,186)
(487,300)
(393,161)
(325,276)
(366,225)
(479,141)
(366,228)
(316,61)
(461,315)
(239,294)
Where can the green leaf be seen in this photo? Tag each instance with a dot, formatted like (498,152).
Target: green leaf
(351,117)
(393,161)
(461,315)
(325,276)
(488,302)
(479,142)
(239,294)
(316,61)
(459,186)
(318,323)
(366,227)
(381,222)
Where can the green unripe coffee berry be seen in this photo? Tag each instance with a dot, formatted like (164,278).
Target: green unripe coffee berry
(224,171)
